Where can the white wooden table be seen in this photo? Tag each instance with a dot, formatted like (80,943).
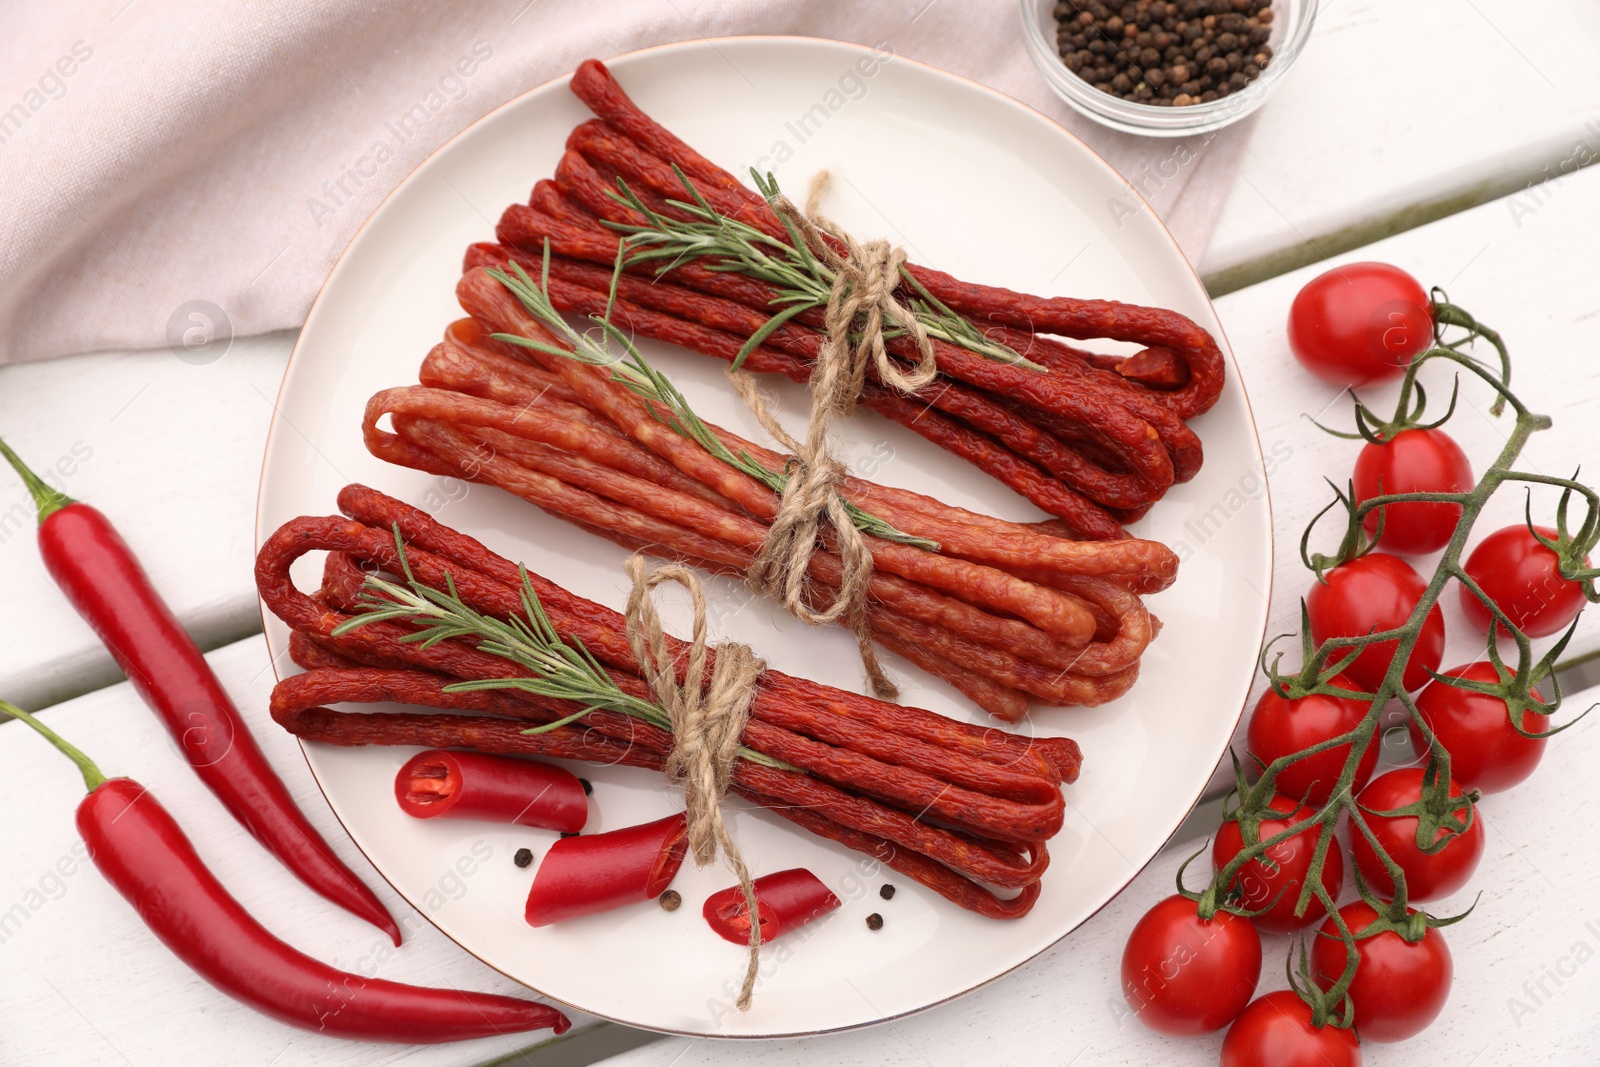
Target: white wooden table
(1436,107)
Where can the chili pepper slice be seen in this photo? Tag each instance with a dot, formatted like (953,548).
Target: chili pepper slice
(785,900)
(103,580)
(143,852)
(474,785)
(598,872)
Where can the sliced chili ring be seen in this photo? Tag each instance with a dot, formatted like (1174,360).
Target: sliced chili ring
(598,872)
(502,789)
(785,900)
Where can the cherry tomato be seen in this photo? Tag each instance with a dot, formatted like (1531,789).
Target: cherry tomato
(1276,1031)
(1360,323)
(1524,580)
(1183,976)
(1276,877)
(1400,986)
(1429,876)
(1416,461)
(1376,592)
(1282,727)
(1486,752)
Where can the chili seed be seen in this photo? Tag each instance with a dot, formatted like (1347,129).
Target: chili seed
(886,892)
(874,921)
(1168,53)
(670,900)
(523,857)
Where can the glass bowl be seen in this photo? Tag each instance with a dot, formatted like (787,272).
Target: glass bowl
(1291,26)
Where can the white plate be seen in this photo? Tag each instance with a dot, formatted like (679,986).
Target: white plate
(969,181)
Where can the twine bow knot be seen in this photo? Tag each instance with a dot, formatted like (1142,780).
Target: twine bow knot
(708,717)
(862,305)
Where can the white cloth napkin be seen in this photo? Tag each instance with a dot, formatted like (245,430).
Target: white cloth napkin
(161,159)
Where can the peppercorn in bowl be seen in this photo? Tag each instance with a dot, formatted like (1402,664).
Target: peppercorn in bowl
(1165,68)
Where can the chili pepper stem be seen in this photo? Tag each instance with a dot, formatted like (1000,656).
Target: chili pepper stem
(46,498)
(92,776)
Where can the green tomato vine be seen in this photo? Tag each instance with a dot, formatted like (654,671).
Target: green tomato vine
(1455,334)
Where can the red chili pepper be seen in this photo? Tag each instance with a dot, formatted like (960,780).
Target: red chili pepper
(474,785)
(101,578)
(143,852)
(598,872)
(785,900)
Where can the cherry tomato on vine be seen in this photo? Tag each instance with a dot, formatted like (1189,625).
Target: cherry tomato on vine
(1486,752)
(1184,976)
(1429,876)
(1524,580)
(1360,323)
(1415,461)
(1276,1031)
(1283,727)
(1275,877)
(1376,592)
(1400,986)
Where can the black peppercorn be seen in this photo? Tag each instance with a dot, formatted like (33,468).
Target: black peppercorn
(886,892)
(1165,53)
(874,921)
(670,900)
(523,857)
(588,786)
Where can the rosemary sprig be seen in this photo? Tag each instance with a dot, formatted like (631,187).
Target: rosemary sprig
(559,668)
(803,281)
(635,373)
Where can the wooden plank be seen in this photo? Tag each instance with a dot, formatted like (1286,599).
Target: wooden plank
(1397,114)
(192,522)
(1525,976)
(85,982)
(172,453)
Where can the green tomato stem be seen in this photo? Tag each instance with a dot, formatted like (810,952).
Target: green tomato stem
(1315,676)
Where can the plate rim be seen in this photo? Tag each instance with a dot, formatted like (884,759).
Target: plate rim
(777,40)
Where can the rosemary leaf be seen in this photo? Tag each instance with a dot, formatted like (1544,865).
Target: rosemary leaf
(718,242)
(635,373)
(561,669)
